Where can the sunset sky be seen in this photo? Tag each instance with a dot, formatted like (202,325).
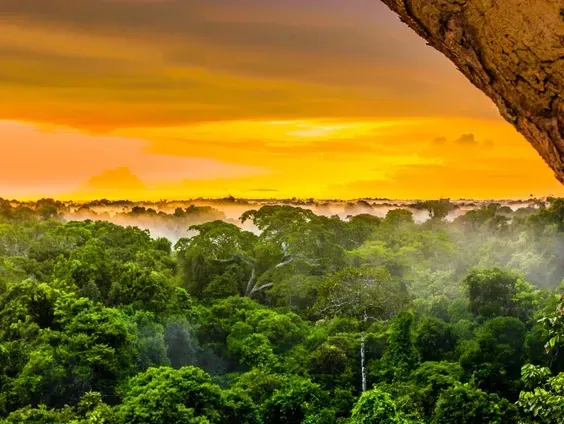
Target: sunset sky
(153,99)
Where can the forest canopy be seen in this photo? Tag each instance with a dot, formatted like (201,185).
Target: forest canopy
(283,316)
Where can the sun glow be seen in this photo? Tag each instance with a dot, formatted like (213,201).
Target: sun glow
(188,98)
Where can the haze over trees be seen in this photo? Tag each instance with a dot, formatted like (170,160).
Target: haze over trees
(288,317)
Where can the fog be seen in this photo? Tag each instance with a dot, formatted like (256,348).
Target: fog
(172,219)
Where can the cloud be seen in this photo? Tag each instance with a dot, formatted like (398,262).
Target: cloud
(114,180)
(180,62)
(457,180)
(439,140)
(468,139)
(50,159)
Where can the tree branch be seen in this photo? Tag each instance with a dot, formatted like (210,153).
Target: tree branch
(251,283)
(285,261)
(225,261)
(248,261)
(261,288)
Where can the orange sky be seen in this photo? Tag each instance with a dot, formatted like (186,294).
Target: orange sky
(254,98)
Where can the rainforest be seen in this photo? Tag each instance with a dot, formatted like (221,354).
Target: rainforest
(282,212)
(282,315)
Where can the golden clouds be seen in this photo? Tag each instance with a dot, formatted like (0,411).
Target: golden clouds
(105,65)
(321,158)
(409,158)
(60,161)
(180,98)
(115,180)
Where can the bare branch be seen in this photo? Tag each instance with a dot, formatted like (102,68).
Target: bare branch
(251,283)
(334,306)
(285,261)
(248,261)
(261,288)
(224,261)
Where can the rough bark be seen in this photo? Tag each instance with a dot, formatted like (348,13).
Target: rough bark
(512,50)
(363,352)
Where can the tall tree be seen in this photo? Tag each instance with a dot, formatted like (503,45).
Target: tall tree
(363,294)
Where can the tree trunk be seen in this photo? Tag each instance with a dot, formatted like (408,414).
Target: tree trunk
(512,50)
(363,353)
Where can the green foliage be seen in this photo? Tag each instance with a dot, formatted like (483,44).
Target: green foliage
(493,292)
(101,323)
(401,356)
(40,415)
(166,395)
(376,407)
(293,402)
(253,350)
(438,209)
(358,293)
(330,366)
(464,404)
(239,408)
(435,340)
(555,325)
(544,401)
(430,379)
(496,359)
(181,345)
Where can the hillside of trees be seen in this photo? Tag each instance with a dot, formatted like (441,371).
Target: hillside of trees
(307,319)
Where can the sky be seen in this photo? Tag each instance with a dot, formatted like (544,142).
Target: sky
(175,99)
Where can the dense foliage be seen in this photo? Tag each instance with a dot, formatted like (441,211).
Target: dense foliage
(289,317)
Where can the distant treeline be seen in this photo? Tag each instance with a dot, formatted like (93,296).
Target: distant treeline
(171,218)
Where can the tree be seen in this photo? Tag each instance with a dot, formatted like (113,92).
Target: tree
(79,347)
(151,350)
(496,359)
(490,218)
(438,209)
(363,294)
(401,356)
(543,402)
(88,309)
(253,350)
(293,402)
(260,384)
(435,339)
(329,366)
(553,215)
(303,237)
(90,268)
(220,244)
(182,348)
(464,404)
(493,292)
(376,407)
(555,326)
(396,217)
(143,289)
(360,228)
(544,398)
(431,378)
(165,395)
(95,347)
(40,415)
(239,408)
